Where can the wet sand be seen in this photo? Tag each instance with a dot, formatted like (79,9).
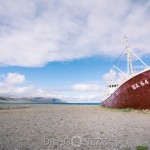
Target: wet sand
(72,127)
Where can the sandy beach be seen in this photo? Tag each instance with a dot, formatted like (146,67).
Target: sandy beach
(72,127)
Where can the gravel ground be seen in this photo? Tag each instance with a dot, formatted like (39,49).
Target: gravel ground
(72,127)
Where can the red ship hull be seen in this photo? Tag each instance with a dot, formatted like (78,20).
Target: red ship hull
(134,93)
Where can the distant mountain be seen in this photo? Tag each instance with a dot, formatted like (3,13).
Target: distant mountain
(40,100)
(3,99)
(44,100)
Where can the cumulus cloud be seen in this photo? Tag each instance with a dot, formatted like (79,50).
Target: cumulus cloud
(8,90)
(86,87)
(110,76)
(11,85)
(87,92)
(33,33)
(82,98)
(113,76)
(14,78)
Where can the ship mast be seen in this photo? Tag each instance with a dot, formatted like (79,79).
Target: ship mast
(129,58)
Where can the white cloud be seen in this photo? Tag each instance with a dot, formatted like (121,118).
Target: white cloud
(110,76)
(8,90)
(10,87)
(113,76)
(86,87)
(33,33)
(82,98)
(14,78)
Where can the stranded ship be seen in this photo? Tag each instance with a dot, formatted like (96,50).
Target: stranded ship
(134,90)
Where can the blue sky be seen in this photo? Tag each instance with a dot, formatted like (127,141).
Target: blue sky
(64,49)
(64,73)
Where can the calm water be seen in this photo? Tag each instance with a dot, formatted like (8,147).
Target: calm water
(54,103)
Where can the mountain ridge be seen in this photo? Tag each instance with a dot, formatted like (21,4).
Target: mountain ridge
(51,100)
